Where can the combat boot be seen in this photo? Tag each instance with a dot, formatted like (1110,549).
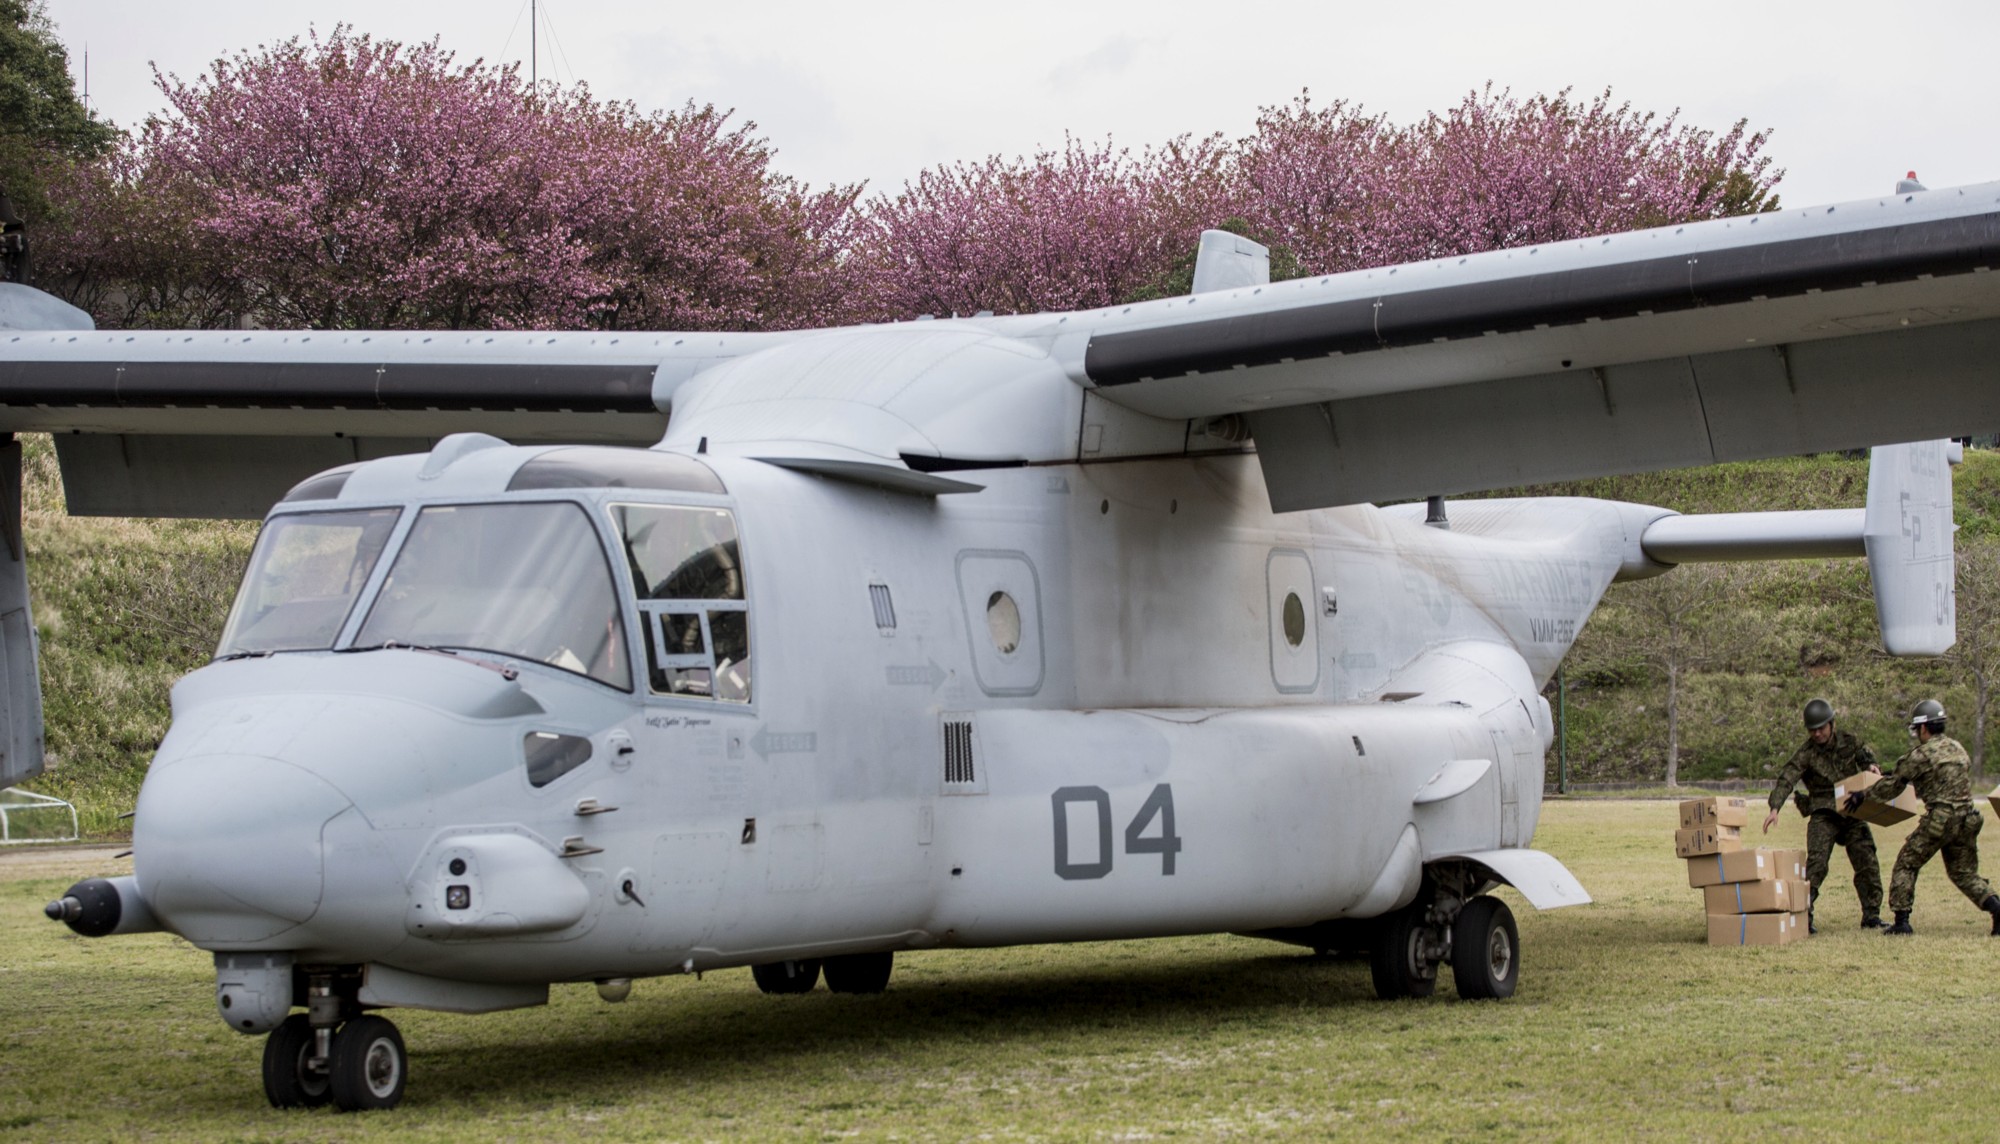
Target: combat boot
(1992,906)
(1872,921)
(1902,923)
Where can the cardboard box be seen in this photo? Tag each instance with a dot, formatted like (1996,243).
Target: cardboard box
(1756,929)
(1791,864)
(1905,805)
(1994,798)
(1739,866)
(1784,896)
(1707,840)
(1718,811)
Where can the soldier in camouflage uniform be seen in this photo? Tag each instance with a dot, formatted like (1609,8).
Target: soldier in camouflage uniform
(1941,772)
(1828,756)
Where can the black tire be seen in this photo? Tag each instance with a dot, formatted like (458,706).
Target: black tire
(859,972)
(369,1065)
(787,976)
(288,1083)
(1396,962)
(1485,950)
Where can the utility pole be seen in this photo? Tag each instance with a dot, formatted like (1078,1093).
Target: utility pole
(1562,733)
(534,50)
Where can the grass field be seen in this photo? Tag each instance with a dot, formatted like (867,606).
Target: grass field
(1626,1025)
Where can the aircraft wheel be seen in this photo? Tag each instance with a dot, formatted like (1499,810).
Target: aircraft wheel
(289,1081)
(859,972)
(1399,963)
(368,1066)
(1485,950)
(787,976)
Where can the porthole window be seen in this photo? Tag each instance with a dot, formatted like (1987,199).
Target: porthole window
(1003,622)
(1295,619)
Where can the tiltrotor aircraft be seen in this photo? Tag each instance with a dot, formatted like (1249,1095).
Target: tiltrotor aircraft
(969,632)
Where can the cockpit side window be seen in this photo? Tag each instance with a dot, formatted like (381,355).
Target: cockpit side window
(303,579)
(688,574)
(522,579)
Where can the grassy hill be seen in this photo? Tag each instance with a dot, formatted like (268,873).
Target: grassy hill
(125,607)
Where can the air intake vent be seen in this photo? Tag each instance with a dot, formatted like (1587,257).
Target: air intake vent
(885,608)
(958,766)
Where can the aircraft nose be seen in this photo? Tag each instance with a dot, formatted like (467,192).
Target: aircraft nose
(227,848)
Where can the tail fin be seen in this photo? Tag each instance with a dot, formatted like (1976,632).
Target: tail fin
(1909,544)
(1905,532)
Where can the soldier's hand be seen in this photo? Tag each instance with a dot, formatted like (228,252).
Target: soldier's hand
(1770,820)
(1873,769)
(1855,800)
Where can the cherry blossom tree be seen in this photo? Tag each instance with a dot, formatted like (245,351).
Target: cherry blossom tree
(344,182)
(361,183)
(1089,225)
(1497,171)
(1328,188)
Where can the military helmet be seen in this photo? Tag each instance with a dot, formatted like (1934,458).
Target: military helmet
(1818,714)
(1929,713)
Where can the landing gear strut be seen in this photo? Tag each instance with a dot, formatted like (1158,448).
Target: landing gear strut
(787,976)
(333,1053)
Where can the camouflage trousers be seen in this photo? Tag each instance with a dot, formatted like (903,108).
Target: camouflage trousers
(1954,830)
(1827,829)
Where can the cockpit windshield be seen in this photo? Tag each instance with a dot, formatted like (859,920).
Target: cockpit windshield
(526,580)
(303,578)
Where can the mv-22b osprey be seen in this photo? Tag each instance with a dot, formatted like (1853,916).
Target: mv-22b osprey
(975,632)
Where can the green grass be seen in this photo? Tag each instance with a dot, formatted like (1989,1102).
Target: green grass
(1626,1025)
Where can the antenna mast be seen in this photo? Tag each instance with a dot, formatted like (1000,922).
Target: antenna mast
(534,53)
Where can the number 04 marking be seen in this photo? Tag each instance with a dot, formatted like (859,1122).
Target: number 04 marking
(1159,804)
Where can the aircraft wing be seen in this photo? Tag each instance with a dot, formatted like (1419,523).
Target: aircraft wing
(220,423)
(1788,332)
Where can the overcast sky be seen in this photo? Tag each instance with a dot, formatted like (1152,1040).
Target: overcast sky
(877,90)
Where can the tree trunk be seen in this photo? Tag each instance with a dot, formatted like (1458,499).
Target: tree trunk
(1673,726)
(1980,692)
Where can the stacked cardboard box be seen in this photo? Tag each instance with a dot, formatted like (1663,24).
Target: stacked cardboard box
(1752,897)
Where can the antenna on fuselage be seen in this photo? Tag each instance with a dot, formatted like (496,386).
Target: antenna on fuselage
(1434,514)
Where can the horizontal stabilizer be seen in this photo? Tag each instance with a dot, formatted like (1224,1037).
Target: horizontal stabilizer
(1711,537)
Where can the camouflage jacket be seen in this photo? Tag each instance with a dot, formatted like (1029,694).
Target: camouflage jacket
(1940,770)
(1820,767)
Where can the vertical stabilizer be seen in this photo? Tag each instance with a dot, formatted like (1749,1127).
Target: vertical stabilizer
(1908,539)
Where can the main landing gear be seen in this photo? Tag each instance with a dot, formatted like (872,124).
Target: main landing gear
(317,1057)
(1477,938)
(845,973)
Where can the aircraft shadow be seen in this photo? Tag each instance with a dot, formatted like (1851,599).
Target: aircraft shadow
(645,1040)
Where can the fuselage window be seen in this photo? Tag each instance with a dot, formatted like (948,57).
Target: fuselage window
(525,580)
(303,579)
(688,575)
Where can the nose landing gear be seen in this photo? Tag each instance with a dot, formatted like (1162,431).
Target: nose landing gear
(316,1058)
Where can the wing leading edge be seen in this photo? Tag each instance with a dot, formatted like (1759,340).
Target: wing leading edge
(1835,327)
